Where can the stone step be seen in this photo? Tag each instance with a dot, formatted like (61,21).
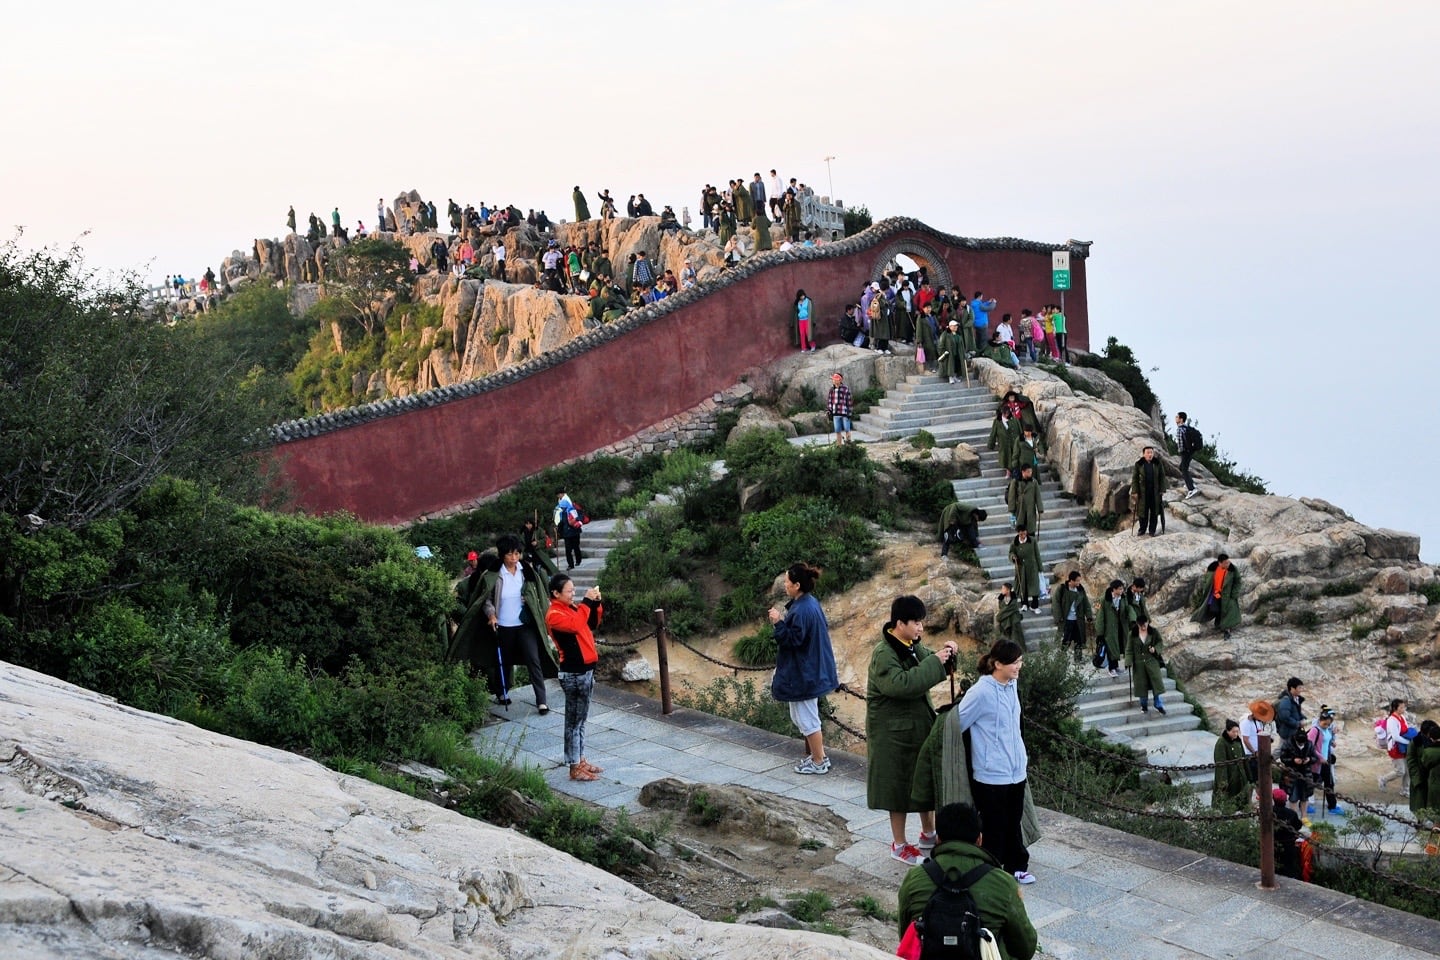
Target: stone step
(940,404)
(1105,688)
(1154,725)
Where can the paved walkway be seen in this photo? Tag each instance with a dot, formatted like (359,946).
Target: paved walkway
(1101,893)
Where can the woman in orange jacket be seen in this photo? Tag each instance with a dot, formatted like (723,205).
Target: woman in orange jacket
(570,626)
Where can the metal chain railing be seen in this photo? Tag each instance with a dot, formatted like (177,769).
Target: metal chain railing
(1070,790)
(1318,786)
(717,661)
(1130,761)
(625,643)
(1348,856)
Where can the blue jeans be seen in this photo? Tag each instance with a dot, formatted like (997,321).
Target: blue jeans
(842,424)
(577,687)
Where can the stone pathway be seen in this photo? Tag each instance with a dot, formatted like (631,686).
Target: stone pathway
(1101,893)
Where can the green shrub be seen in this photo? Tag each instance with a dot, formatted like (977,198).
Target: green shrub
(924,490)
(1305,619)
(757,649)
(1341,588)
(1096,520)
(867,398)
(810,906)
(737,700)
(1431,592)
(923,440)
(271,699)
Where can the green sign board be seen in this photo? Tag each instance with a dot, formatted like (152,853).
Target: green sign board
(1060,279)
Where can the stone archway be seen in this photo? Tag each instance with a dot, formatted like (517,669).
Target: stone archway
(923,254)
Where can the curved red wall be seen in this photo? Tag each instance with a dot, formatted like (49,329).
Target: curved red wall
(400,468)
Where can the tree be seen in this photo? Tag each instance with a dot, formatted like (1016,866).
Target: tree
(856,219)
(255,330)
(370,269)
(98,399)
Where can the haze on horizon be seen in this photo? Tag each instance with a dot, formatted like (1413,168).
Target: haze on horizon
(1256,178)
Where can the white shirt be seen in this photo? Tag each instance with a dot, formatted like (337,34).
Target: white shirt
(1004,331)
(499,251)
(1250,730)
(512,599)
(775,190)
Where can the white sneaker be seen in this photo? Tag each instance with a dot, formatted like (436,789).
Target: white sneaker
(927,841)
(1192,493)
(1024,876)
(906,853)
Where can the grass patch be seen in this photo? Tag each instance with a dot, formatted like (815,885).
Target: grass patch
(810,907)
(1096,520)
(923,440)
(1341,588)
(871,907)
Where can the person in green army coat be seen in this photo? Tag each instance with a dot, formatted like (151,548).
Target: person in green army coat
(952,352)
(1147,492)
(1002,438)
(1022,496)
(1232,786)
(880,315)
(582,208)
(1028,449)
(727,223)
(1135,607)
(600,267)
(1112,627)
(760,223)
(1072,614)
(744,206)
(903,324)
(1145,656)
(961,306)
(960,523)
(1000,352)
(927,337)
(1008,616)
(1220,588)
(1025,555)
(1422,762)
(791,213)
(477,639)
(606,303)
(898,718)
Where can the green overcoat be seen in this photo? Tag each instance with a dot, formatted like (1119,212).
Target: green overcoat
(903,324)
(582,209)
(951,354)
(1134,608)
(1025,453)
(475,640)
(1111,625)
(967,325)
(1001,440)
(1232,787)
(792,218)
(1023,498)
(1007,620)
(1000,354)
(1060,604)
(761,225)
(1229,596)
(744,206)
(956,514)
(1145,665)
(880,328)
(1157,484)
(898,717)
(1026,558)
(997,898)
(1424,765)
(925,337)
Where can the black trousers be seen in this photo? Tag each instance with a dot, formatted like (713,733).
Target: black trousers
(573,556)
(1185,471)
(1000,806)
(1149,515)
(520,646)
(1071,637)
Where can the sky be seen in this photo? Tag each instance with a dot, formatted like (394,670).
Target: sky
(1258,179)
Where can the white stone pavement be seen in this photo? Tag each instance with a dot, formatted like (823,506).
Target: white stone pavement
(1101,893)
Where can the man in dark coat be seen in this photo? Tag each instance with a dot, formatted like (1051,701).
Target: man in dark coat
(582,209)
(1221,589)
(1147,491)
(1145,656)
(1071,610)
(996,892)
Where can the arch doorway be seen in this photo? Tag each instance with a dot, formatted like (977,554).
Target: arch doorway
(911,256)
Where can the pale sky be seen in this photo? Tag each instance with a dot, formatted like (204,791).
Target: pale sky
(1256,177)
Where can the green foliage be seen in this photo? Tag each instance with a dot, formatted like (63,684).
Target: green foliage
(370,271)
(588,835)
(1119,364)
(1050,685)
(924,490)
(923,440)
(702,810)
(808,402)
(1341,588)
(99,399)
(1431,592)
(597,484)
(857,219)
(738,700)
(862,401)
(1101,521)
(1064,374)
(757,649)
(871,908)
(407,330)
(810,907)
(1305,618)
(255,330)
(654,570)
(1228,472)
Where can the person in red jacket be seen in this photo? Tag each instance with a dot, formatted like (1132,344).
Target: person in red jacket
(570,626)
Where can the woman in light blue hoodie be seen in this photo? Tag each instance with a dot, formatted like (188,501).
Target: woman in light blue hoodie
(991,712)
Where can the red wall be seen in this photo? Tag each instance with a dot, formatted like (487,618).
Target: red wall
(399,468)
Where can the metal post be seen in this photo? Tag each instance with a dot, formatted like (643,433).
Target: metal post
(1263,787)
(662,657)
(830,178)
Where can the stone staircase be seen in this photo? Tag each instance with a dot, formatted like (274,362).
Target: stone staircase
(596,542)
(957,413)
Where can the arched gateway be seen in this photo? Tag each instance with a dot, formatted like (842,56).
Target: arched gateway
(922,254)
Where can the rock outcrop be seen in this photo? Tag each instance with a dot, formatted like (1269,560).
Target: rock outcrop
(130,835)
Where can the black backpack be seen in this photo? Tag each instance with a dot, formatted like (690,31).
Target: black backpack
(949,926)
(1191,440)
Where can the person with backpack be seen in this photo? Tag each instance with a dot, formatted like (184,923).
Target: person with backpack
(569,522)
(1397,743)
(1189,441)
(1289,715)
(961,890)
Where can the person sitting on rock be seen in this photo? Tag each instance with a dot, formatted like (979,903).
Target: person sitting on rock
(997,351)
(1221,589)
(1145,656)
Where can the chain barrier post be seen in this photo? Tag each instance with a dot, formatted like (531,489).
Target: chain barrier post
(662,658)
(1266,805)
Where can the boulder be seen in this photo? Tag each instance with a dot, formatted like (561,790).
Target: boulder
(637,669)
(181,841)
(755,417)
(1101,385)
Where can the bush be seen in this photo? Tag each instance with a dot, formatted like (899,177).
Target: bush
(924,489)
(923,440)
(740,701)
(1119,364)
(1096,520)
(757,649)
(857,219)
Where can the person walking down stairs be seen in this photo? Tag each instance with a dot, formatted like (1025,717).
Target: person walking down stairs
(1145,657)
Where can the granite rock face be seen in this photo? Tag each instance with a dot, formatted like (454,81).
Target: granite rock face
(129,835)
